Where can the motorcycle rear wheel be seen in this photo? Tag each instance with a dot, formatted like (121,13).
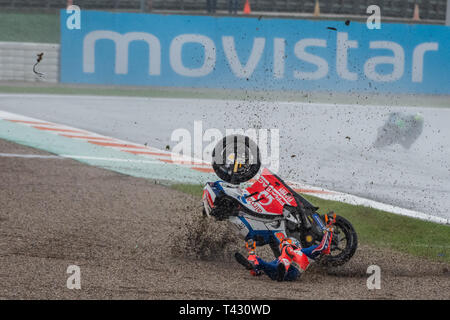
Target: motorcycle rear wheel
(236,147)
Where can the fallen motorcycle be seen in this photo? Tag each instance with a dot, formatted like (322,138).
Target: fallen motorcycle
(400,128)
(268,209)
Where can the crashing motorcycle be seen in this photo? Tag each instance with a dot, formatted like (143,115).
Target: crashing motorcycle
(266,210)
(400,128)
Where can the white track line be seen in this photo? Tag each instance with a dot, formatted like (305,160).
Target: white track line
(75,157)
(30,156)
(360,201)
(108,159)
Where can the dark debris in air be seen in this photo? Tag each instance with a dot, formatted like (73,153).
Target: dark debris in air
(38,60)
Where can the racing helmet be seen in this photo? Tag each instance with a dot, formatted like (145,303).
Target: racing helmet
(290,241)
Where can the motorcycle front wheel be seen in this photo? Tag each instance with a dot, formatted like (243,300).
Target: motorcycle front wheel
(343,244)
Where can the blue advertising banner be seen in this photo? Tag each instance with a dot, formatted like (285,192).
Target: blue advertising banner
(252,53)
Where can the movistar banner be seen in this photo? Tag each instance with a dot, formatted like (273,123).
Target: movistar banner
(251,53)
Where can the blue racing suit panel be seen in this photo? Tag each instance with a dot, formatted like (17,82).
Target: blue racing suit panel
(270,269)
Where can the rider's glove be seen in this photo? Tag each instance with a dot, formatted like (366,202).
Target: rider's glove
(330,220)
(250,245)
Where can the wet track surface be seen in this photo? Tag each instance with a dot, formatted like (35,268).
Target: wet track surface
(322,145)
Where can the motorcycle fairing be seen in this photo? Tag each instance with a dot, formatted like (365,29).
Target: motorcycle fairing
(210,193)
(269,194)
(262,232)
(255,227)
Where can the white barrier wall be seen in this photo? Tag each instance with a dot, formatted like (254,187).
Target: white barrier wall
(17,60)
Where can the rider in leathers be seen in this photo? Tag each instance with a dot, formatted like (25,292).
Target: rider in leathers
(293,261)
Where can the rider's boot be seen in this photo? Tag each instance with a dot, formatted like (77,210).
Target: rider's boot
(252,258)
(251,262)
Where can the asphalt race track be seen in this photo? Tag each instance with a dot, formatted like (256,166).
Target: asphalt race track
(322,145)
